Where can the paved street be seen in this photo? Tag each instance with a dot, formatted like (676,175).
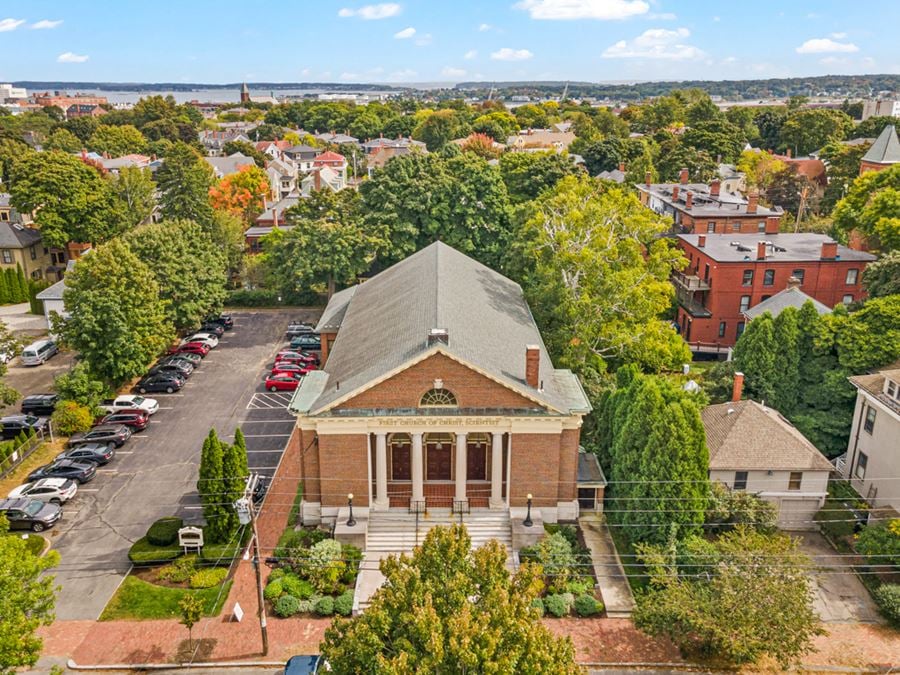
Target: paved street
(34,379)
(155,473)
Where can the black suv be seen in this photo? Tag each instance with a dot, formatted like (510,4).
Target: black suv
(167,382)
(29,514)
(16,424)
(94,453)
(181,368)
(39,404)
(83,472)
(115,434)
(223,320)
(216,329)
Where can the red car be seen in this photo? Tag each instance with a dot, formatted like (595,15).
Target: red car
(135,419)
(292,356)
(283,382)
(190,348)
(281,368)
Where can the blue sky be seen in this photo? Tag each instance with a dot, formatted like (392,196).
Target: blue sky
(440,40)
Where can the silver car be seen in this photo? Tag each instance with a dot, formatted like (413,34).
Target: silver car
(51,490)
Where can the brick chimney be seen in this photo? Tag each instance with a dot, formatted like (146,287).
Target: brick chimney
(760,250)
(648,178)
(701,241)
(738,387)
(714,188)
(793,282)
(683,176)
(532,365)
(689,201)
(752,202)
(622,167)
(829,250)
(675,191)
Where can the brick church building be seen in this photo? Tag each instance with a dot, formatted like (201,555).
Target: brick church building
(437,392)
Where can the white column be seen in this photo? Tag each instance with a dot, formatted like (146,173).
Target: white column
(381,483)
(461,467)
(418,493)
(496,471)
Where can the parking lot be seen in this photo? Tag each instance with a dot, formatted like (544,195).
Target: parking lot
(155,473)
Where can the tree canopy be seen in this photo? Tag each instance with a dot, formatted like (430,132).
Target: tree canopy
(872,206)
(184,180)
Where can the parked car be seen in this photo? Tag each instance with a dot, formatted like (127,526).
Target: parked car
(216,329)
(95,453)
(117,434)
(204,338)
(83,472)
(291,368)
(291,356)
(13,425)
(283,382)
(136,419)
(39,404)
(298,328)
(303,665)
(30,514)
(223,320)
(180,368)
(39,352)
(131,402)
(167,382)
(191,359)
(309,342)
(197,348)
(52,490)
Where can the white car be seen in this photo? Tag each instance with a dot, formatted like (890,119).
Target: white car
(52,490)
(131,402)
(208,339)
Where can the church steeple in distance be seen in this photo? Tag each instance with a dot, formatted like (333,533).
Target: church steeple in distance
(245,93)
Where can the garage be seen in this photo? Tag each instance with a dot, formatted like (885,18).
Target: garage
(797,514)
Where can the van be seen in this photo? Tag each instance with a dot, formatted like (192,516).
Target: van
(38,352)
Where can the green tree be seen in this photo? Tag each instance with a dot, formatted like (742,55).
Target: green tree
(447,609)
(188,267)
(882,277)
(80,386)
(27,597)
(807,130)
(82,128)
(219,513)
(528,174)
(116,141)
(674,156)
(5,294)
(596,275)
(440,128)
(719,138)
(872,127)
(70,417)
(9,344)
(787,357)
(755,356)
(70,199)
(869,337)
(184,180)
(872,206)
(240,446)
(135,195)
(741,608)
(842,164)
(498,124)
(64,140)
(22,284)
(604,155)
(190,608)
(116,320)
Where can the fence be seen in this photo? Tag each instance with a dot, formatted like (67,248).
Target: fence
(23,451)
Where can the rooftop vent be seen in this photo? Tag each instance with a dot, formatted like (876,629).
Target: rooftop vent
(438,336)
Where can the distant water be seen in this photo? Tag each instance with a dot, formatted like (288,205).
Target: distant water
(209,95)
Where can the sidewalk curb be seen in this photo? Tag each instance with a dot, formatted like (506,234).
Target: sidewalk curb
(175,666)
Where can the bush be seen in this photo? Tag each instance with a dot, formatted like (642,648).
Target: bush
(538,604)
(887,597)
(554,554)
(325,606)
(587,605)
(293,544)
(567,531)
(343,604)
(299,588)
(179,571)
(880,543)
(324,567)
(556,605)
(69,418)
(580,586)
(80,385)
(212,576)
(164,532)
(352,558)
(287,605)
(274,590)
(277,573)
(143,553)
(220,554)
(305,607)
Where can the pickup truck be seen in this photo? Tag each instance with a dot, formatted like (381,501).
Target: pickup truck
(130,402)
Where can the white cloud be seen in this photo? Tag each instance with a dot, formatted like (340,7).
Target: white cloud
(69,57)
(826,45)
(665,16)
(424,40)
(717,19)
(730,59)
(405,34)
(604,10)
(833,60)
(839,36)
(10,24)
(44,24)
(471,54)
(484,27)
(401,75)
(655,43)
(349,76)
(305,71)
(509,54)
(371,12)
(450,71)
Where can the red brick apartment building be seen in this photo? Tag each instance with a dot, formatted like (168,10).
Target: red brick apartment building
(728,274)
(437,391)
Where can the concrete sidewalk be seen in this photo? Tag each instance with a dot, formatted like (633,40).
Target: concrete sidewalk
(19,320)
(607,567)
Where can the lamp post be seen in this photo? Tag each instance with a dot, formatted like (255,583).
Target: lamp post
(527,522)
(351,521)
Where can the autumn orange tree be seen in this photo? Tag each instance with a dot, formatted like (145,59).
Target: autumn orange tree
(243,193)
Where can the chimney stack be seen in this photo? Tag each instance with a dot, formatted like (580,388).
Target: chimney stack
(622,167)
(438,336)
(675,191)
(714,188)
(689,201)
(752,202)
(532,365)
(648,178)
(738,388)
(760,250)
(829,250)
(701,241)
(683,176)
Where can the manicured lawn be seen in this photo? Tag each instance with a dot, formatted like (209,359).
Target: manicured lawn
(43,455)
(137,599)
(34,542)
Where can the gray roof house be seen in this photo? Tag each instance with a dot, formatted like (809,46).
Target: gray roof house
(225,166)
(791,296)
(885,150)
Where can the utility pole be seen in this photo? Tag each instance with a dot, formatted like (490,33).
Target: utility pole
(247,514)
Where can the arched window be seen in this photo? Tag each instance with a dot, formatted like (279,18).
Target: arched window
(438,398)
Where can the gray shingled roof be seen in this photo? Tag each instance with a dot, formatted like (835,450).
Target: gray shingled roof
(226,166)
(886,148)
(386,322)
(13,235)
(589,471)
(798,247)
(331,319)
(754,438)
(789,297)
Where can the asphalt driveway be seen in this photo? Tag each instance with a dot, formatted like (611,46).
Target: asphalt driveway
(155,473)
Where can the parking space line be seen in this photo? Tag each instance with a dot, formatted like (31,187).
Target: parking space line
(159,421)
(192,508)
(81,489)
(139,436)
(124,452)
(166,408)
(267,435)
